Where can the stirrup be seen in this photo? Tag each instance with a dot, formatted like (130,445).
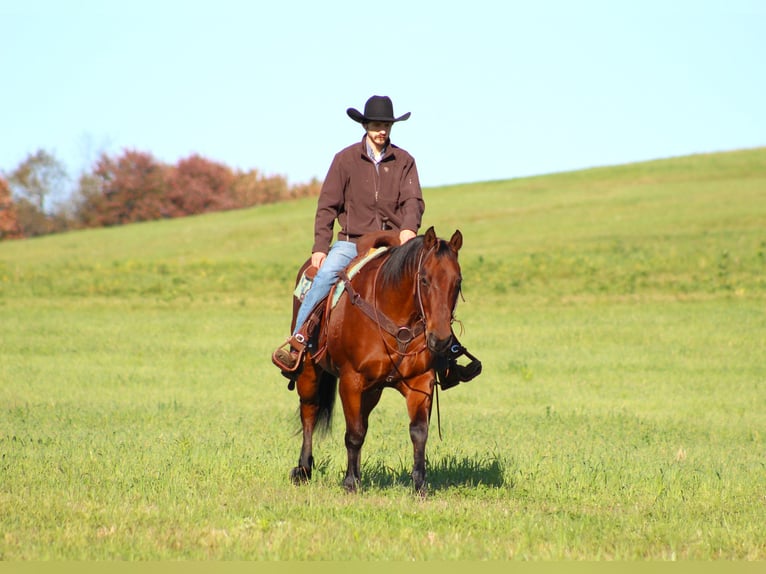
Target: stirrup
(455,374)
(468,372)
(296,343)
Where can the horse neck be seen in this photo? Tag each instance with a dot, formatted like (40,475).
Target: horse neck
(397,301)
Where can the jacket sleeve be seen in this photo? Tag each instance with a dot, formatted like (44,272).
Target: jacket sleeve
(329,205)
(411,204)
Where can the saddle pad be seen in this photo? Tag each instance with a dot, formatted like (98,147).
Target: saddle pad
(303,286)
(354,269)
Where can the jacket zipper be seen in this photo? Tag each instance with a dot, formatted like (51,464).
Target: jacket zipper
(376,185)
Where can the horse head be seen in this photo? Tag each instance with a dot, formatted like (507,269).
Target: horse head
(438,287)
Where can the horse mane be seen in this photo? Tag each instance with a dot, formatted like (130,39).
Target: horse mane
(403,260)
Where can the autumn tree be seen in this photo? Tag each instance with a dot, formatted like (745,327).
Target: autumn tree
(253,188)
(9,224)
(87,201)
(132,188)
(198,185)
(306,189)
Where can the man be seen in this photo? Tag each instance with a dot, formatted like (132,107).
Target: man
(370,186)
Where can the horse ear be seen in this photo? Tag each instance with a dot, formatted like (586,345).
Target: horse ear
(430,239)
(457,241)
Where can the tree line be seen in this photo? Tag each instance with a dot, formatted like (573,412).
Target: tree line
(130,187)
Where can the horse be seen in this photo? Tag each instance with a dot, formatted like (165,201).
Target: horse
(389,329)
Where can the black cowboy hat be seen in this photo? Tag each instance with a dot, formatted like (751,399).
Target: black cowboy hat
(377,109)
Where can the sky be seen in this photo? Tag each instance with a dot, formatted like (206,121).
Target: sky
(497,89)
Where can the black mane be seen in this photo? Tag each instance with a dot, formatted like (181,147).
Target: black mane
(403,260)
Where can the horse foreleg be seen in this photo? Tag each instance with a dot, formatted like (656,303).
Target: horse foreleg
(357,406)
(419,393)
(308,392)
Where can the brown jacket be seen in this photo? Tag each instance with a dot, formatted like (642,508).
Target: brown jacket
(365,200)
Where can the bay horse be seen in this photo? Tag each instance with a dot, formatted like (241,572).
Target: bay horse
(388,329)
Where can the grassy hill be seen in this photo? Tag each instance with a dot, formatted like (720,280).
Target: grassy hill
(689,225)
(619,313)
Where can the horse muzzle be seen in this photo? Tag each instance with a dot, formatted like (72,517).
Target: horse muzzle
(437,345)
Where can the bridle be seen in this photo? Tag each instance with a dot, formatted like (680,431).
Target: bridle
(420,321)
(403,335)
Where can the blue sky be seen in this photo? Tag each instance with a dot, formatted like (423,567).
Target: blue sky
(497,90)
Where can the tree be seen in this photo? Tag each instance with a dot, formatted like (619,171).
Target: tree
(132,188)
(136,187)
(252,188)
(38,177)
(9,223)
(198,185)
(32,221)
(87,201)
(306,189)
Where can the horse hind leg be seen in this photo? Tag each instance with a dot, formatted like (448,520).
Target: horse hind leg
(317,395)
(308,390)
(302,473)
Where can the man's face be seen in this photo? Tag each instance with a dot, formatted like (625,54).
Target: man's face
(379,132)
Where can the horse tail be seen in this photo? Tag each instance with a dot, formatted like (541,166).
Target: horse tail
(328,384)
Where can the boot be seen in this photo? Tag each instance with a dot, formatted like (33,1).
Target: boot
(287,360)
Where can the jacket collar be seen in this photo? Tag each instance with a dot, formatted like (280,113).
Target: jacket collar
(388,153)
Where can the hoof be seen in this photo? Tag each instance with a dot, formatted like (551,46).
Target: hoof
(300,475)
(350,484)
(419,484)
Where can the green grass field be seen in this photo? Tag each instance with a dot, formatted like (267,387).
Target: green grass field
(620,314)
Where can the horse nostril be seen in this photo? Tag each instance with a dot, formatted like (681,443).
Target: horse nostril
(437,345)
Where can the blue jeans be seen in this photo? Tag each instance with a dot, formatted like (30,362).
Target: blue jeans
(340,255)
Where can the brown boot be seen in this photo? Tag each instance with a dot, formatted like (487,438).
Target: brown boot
(285,359)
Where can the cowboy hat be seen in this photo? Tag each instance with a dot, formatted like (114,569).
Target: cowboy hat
(377,109)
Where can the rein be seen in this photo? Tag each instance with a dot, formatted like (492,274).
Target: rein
(404,334)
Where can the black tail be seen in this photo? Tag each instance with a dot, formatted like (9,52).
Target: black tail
(328,384)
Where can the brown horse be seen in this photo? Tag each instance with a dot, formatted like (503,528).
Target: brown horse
(390,326)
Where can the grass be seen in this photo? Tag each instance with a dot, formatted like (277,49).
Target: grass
(619,313)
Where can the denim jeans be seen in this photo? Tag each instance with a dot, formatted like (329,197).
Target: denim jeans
(340,255)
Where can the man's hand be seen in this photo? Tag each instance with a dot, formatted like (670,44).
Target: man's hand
(317,258)
(405,235)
